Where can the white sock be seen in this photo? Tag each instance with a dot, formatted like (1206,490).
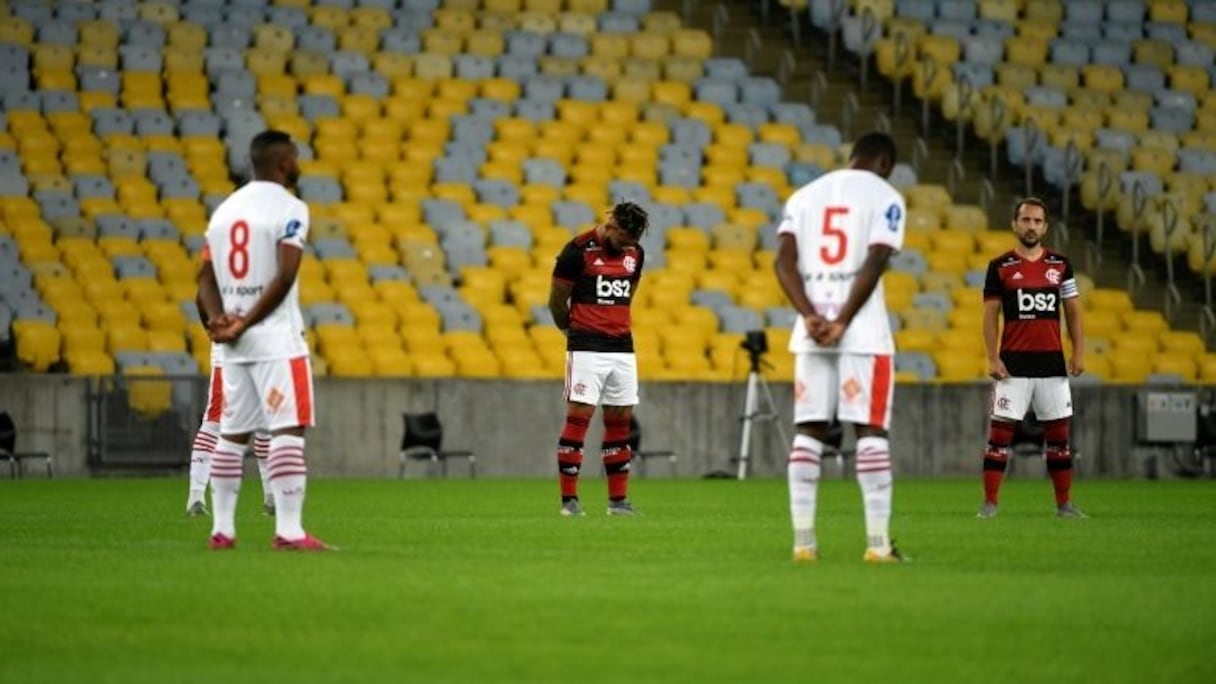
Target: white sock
(804,485)
(874,476)
(200,461)
(288,477)
(261,452)
(226,470)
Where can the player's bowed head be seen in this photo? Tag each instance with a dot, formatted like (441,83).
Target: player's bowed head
(623,226)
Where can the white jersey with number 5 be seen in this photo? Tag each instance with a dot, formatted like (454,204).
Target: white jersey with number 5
(243,239)
(834,220)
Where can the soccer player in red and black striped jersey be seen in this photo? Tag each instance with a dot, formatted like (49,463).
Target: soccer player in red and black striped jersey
(594,282)
(1030,285)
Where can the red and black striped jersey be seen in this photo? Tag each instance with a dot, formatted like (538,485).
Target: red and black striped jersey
(1031,294)
(604,285)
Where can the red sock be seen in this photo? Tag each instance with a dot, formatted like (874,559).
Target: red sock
(570,454)
(1059,458)
(996,457)
(617,455)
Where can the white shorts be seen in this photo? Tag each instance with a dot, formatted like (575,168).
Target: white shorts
(610,378)
(1051,398)
(267,394)
(856,388)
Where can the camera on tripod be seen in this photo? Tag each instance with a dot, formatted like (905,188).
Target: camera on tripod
(755,342)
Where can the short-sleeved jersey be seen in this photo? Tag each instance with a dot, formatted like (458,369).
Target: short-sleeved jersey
(1031,294)
(604,285)
(834,220)
(243,239)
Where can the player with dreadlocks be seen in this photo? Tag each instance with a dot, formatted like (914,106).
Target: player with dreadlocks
(594,282)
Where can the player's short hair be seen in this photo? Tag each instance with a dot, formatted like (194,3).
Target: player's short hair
(631,218)
(1032,201)
(875,145)
(264,149)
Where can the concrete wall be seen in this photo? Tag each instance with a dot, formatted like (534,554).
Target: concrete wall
(513,426)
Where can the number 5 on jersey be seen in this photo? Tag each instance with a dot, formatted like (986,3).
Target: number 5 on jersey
(833,253)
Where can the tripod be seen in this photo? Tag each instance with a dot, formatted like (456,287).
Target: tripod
(756,384)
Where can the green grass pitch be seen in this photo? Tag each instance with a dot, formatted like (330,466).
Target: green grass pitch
(482,581)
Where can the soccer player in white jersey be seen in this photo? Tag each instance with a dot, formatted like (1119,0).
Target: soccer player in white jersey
(834,241)
(204,445)
(248,290)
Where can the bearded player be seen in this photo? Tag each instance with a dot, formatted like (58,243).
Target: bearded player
(1030,285)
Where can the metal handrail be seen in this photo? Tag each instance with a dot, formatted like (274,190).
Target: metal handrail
(786,67)
(997,111)
(837,9)
(987,194)
(929,69)
(966,92)
(1135,274)
(1034,137)
(751,46)
(1173,298)
(920,154)
(720,21)
(1072,170)
(869,22)
(903,52)
(882,122)
(819,84)
(1093,251)
(956,173)
(1207,314)
(847,111)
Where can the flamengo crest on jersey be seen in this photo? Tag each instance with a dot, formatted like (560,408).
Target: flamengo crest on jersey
(834,220)
(604,284)
(1031,294)
(243,238)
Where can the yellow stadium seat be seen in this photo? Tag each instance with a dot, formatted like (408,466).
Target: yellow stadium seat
(1180,364)
(953,366)
(1190,78)
(916,339)
(162,315)
(692,43)
(149,393)
(1132,368)
(933,320)
(1145,322)
(1181,342)
(1207,368)
(37,343)
(1102,323)
(648,45)
(350,362)
(89,362)
(923,221)
(1113,300)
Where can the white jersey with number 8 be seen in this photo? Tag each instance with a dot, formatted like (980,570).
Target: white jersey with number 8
(243,239)
(834,220)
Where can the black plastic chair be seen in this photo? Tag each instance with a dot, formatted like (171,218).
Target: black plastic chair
(423,441)
(642,455)
(8,449)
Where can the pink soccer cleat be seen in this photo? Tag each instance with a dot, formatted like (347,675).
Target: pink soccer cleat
(306,543)
(221,542)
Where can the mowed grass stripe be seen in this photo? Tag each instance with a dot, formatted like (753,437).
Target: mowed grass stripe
(464,581)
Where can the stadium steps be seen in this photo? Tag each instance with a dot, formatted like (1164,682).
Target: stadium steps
(877,99)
